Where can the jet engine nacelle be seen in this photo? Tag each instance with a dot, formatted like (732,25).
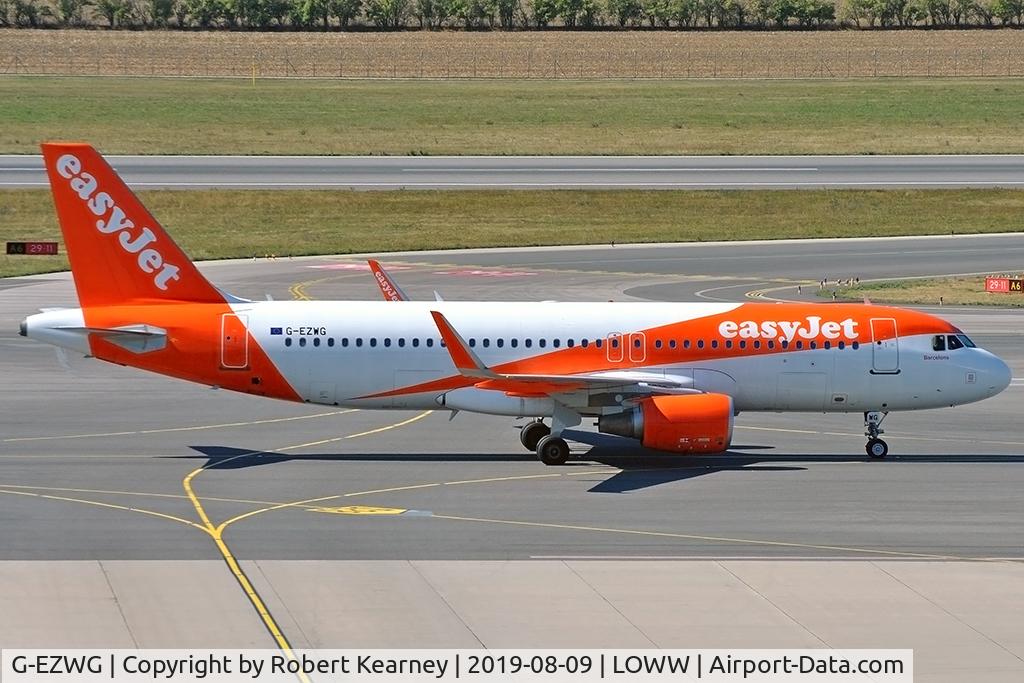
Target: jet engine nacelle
(693,423)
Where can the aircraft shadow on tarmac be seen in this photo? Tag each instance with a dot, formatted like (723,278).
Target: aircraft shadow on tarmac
(637,467)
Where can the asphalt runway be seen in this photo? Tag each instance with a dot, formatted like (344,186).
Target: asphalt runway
(468,172)
(406,529)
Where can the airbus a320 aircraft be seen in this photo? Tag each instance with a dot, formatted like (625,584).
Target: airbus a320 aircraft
(671,375)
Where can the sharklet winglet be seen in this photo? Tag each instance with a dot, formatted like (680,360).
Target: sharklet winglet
(466,361)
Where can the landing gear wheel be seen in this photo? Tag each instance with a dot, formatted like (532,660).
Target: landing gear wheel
(553,450)
(877,449)
(532,433)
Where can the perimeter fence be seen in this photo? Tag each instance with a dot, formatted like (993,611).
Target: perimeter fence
(382,61)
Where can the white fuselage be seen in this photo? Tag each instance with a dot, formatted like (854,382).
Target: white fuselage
(378,347)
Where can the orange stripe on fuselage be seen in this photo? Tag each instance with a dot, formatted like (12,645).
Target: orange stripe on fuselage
(580,359)
(193,347)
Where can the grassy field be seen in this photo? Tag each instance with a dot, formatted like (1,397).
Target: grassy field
(965,291)
(200,116)
(224,224)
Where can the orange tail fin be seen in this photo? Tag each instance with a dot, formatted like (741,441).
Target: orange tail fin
(119,254)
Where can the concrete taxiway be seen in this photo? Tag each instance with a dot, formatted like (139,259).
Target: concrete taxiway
(362,529)
(469,172)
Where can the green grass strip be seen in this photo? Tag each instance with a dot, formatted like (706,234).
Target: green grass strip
(214,224)
(198,116)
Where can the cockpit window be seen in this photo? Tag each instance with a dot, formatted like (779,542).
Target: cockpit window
(954,342)
(966,340)
(939,342)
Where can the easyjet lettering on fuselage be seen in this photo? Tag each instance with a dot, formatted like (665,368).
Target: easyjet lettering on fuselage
(113,220)
(788,330)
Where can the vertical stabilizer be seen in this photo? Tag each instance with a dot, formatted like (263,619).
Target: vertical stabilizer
(119,253)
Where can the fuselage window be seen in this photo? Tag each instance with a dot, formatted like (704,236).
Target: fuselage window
(330,341)
(443,345)
(487,343)
(953,343)
(287,341)
(528,343)
(799,345)
(430,342)
(700,343)
(728,343)
(472,341)
(671,343)
(556,343)
(500,343)
(598,343)
(514,343)
(842,345)
(686,343)
(743,344)
(415,342)
(771,344)
(584,343)
(939,342)
(570,343)
(542,343)
(387,341)
(302,341)
(828,345)
(615,343)
(636,343)
(401,341)
(657,344)
(855,345)
(344,341)
(814,344)
(784,344)
(757,343)
(373,341)
(359,341)
(316,341)
(714,343)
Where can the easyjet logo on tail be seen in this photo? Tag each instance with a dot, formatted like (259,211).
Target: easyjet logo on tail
(112,220)
(385,285)
(787,330)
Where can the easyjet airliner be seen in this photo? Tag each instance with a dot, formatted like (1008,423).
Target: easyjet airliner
(670,375)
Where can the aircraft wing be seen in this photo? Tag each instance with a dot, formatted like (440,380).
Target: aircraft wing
(469,365)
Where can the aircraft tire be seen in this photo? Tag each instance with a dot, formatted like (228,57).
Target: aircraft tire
(553,450)
(532,433)
(877,449)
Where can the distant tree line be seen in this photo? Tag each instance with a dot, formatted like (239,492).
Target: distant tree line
(509,14)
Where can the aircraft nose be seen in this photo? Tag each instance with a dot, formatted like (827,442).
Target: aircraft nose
(996,374)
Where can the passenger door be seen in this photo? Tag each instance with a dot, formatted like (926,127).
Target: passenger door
(234,341)
(885,351)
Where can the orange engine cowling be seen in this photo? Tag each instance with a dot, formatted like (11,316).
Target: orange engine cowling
(692,423)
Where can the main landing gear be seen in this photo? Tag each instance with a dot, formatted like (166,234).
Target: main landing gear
(876,448)
(532,433)
(551,450)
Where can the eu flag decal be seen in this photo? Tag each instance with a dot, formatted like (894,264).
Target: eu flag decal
(275,330)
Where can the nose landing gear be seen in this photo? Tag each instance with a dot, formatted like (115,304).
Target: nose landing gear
(876,448)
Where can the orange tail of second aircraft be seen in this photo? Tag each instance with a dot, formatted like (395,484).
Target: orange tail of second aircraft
(119,253)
